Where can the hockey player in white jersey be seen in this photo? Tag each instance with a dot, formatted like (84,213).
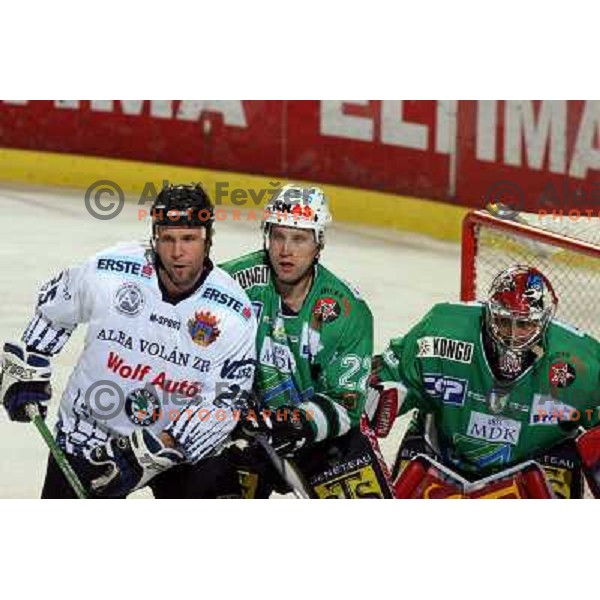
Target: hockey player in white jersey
(167,361)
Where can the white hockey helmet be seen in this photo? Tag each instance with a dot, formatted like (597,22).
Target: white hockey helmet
(300,207)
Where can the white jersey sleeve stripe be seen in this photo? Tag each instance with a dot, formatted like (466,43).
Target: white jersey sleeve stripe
(319,418)
(343,418)
(43,338)
(32,325)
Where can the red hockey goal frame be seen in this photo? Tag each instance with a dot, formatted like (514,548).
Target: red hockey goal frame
(475,219)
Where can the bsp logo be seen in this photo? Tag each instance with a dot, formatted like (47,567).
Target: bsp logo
(450,390)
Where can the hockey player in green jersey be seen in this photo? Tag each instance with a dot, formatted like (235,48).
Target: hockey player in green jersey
(495,385)
(314,349)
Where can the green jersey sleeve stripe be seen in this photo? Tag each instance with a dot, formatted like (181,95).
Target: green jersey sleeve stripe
(328,407)
(318,419)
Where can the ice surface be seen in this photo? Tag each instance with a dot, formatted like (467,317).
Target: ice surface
(44,230)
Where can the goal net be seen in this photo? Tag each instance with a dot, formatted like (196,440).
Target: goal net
(566,250)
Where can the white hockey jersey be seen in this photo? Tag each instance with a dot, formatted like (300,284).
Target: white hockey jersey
(145,361)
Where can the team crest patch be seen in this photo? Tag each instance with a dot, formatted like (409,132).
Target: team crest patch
(129,300)
(142,407)
(561,374)
(203,328)
(326,310)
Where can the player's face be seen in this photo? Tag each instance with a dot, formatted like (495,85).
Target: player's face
(181,251)
(518,330)
(292,252)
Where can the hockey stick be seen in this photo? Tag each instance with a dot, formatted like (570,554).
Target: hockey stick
(61,460)
(286,470)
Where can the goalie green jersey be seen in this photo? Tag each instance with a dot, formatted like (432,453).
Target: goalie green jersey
(317,360)
(482,424)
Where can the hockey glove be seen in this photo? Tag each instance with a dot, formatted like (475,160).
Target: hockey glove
(25,379)
(383,404)
(286,429)
(200,430)
(127,463)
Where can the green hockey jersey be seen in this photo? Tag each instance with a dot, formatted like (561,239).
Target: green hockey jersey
(482,424)
(318,360)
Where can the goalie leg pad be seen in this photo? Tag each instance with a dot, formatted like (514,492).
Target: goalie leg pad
(588,447)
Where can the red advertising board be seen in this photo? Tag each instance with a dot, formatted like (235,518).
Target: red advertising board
(228,135)
(388,146)
(533,154)
(538,154)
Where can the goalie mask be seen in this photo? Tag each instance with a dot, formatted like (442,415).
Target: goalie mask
(519,307)
(299,207)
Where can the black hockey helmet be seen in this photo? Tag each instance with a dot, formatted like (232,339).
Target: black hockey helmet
(183,206)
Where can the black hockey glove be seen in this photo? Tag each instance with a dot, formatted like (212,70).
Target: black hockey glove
(25,379)
(127,463)
(286,429)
